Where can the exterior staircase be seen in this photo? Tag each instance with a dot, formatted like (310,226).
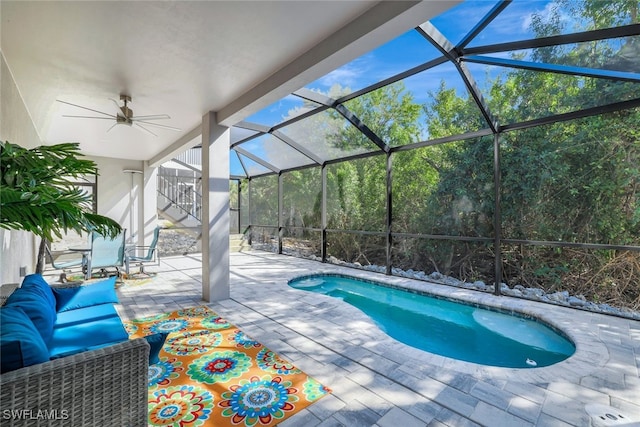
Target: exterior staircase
(237,243)
(183,209)
(172,211)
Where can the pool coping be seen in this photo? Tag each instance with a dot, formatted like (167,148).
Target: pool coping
(588,357)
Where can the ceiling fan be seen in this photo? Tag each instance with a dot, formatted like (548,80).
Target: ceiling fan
(124,116)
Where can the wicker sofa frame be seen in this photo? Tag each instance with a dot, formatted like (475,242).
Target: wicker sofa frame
(103,387)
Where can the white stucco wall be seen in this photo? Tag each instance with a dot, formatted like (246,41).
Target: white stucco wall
(126,197)
(15,123)
(17,249)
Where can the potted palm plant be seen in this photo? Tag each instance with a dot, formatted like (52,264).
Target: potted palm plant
(37,193)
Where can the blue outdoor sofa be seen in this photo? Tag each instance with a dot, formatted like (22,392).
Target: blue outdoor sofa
(66,356)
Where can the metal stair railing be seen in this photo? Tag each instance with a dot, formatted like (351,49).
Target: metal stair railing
(180,191)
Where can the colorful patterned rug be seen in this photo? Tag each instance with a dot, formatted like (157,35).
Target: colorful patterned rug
(211,374)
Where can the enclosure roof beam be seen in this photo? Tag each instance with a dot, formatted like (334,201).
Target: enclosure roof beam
(299,148)
(486,20)
(316,97)
(555,68)
(253,126)
(300,117)
(344,111)
(400,76)
(242,165)
(431,33)
(582,37)
(573,115)
(258,160)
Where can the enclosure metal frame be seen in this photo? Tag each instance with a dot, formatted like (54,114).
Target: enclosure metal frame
(458,55)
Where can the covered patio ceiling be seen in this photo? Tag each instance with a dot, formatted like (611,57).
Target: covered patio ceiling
(182,59)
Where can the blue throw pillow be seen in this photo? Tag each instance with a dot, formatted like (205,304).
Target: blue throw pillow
(20,343)
(37,308)
(37,282)
(156,341)
(72,298)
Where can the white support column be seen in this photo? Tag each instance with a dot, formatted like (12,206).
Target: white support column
(215,209)
(149,217)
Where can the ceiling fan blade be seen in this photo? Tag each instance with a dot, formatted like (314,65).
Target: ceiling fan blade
(158,125)
(90,117)
(116,104)
(153,117)
(114,125)
(85,108)
(144,128)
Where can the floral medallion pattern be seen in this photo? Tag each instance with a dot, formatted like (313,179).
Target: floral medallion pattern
(219,367)
(258,400)
(200,311)
(150,319)
(130,328)
(163,372)
(196,342)
(168,326)
(211,374)
(271,362)
(180,406)
(313,390)
(243,340)
(215,322)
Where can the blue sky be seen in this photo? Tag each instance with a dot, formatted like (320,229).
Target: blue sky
(411,49)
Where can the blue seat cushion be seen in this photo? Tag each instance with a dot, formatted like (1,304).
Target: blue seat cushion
(78,337)
(156,342)
(75,297)
(20,343)
(35,305)
(86,314)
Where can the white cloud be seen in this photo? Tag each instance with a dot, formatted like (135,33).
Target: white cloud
(349,75)
(546,13)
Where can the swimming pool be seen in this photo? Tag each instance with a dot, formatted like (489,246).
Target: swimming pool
(446,327)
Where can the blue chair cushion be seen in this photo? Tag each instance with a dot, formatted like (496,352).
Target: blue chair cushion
(20,343)
(76,297)
(85,314)
(35,305)
(75,338)
(156,342)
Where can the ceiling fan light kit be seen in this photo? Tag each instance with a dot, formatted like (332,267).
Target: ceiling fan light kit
(125,116)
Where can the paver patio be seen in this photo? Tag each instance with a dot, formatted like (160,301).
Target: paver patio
(378,381)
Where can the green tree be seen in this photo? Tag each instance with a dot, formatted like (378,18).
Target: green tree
(357,189)
(573,181)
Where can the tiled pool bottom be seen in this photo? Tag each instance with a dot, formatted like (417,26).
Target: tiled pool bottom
(379,381)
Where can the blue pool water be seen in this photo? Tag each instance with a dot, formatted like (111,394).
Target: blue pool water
(448,328)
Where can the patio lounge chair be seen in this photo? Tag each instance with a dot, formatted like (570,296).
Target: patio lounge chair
(150,255)
(64,264)
(106,253)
